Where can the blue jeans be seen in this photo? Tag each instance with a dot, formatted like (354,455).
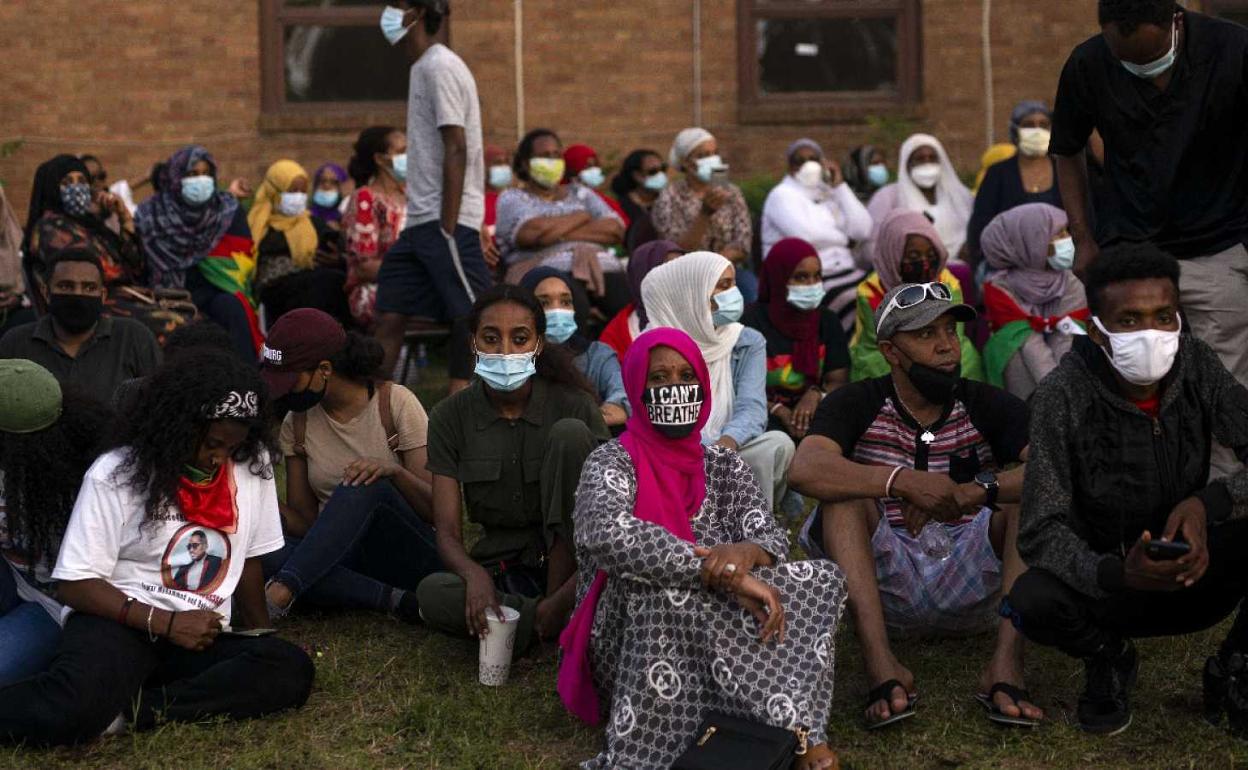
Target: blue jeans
(366,541)
(28,635)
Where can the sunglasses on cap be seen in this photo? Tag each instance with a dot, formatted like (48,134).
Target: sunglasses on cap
(915,295)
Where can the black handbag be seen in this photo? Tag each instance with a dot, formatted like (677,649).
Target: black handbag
(731,743)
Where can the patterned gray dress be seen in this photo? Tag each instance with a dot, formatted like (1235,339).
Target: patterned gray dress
(664,650)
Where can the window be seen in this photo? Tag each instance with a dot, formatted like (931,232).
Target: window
(329,54)
(809,60)
(1233,10)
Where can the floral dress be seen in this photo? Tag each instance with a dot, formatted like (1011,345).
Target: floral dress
(371,224)
(665,651)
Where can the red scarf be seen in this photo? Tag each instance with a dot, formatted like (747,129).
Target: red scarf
(1002,309)
(800,326)
(213,503)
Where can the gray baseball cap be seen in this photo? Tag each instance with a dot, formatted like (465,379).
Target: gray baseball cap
(916,316)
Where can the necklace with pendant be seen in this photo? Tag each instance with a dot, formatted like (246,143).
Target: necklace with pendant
(927,437)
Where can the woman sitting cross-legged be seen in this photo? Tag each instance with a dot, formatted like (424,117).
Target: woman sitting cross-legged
(509,448)
(166,534)
(47,441)
(358,495)
(677,551)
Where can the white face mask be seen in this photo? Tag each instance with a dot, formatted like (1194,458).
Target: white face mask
(1157,68)
(292,204)
(1034,142)
(927,175)
(1143,357)
(810,174)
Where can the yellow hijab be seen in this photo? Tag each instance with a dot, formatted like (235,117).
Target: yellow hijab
(992,156)
(299,232)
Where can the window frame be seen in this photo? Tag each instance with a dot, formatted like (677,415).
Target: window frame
(810,107)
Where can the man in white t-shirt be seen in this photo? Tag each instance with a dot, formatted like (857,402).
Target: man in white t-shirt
(147,639)
(437,268)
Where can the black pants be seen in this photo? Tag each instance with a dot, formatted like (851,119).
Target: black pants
(1048,611)
(103,669)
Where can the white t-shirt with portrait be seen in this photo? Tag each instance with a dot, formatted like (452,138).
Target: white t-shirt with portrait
(171,564)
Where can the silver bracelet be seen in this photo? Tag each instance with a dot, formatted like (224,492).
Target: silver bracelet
(150,636)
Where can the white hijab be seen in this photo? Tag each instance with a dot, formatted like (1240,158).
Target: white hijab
(678,295)
(954,202)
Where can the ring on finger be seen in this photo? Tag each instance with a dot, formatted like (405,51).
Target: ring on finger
(730,568)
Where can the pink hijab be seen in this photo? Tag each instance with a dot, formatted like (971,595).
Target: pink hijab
(890,243)
(1016,242)
(671,486)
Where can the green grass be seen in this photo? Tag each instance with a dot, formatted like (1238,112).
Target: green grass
(389,695)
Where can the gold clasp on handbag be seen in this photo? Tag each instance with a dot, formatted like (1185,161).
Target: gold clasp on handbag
(707,735)
(803,733)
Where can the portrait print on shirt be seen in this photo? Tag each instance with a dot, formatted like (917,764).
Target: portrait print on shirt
(196,560)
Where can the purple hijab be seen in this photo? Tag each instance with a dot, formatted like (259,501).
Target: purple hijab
(327,213)
(1016,243)
(645,258)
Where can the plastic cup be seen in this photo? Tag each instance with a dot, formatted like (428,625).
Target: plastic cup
(497,647)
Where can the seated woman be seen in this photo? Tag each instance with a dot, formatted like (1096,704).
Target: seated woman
(636,186)
(163,546)
(1029,176)
(375,215)
(582,167)
(701,211)
(907,250)
(544,223)
(807,356)
(927,183)
(698,294)
(566,307)
(865,170)
(628,323)
(1035,305)
(327,182)
(358,496)
(47,442)
(509,448)
(678,552)
(297,259)
(196,237)
(813,203)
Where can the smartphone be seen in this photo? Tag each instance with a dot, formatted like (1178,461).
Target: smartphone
(1166,550)
(250,633)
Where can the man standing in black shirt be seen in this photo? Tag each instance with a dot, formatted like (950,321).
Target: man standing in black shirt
(1165,88)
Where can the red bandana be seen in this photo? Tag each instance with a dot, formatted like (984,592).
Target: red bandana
(211,503)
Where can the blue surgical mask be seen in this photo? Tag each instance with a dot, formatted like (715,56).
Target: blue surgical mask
(560,325)
(500,176)
(806,296)
(326,199)
(399,164)
(292,204)
(198,190)
(392,24)
(506,372)
(1160,66)
(708,166)
(1063,254)
(877,174)
(656,181)
(592,176)
(731,304)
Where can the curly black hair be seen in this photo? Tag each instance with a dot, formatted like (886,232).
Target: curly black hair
(162,433)
(524,151)
(195,335)
(71,254)
(372,141)
(42,472)
(555,362)
(1128,15)
(359,359)
(623,183)
(1128,262)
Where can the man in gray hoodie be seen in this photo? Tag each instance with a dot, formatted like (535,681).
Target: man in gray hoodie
(1124,534)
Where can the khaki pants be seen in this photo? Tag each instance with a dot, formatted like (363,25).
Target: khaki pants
(1214,293)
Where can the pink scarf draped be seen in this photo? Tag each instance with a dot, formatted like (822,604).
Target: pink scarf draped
(671,486)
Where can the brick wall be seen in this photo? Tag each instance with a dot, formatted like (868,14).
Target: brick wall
(132,81)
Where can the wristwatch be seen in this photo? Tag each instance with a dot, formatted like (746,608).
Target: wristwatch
(988,480)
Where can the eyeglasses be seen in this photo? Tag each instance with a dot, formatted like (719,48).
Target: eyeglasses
(915,295)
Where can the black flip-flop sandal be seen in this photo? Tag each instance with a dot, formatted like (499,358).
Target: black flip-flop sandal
(883,692)
(1016,694)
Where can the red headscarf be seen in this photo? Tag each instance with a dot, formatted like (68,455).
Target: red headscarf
(671,486)
(576,159)
(800,326)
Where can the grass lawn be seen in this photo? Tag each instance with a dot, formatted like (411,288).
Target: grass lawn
(389,695)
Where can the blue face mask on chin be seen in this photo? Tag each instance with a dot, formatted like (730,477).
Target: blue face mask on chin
(1158,67)
(506,373)
(560,325)
(731,305)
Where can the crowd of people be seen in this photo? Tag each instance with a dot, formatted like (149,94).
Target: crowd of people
(1020,408)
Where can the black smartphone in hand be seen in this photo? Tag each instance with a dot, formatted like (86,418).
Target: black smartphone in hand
(1166,550)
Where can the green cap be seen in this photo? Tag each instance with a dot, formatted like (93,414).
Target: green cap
(30,397)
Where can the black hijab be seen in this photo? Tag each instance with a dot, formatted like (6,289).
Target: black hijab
(45,194)
(578,343)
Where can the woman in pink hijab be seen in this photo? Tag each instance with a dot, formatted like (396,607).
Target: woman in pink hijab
(682,573)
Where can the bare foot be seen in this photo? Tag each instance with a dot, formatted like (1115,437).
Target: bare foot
(1003,668)
(819,757)
(899,698)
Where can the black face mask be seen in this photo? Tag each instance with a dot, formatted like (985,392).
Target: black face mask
(673,409)
(933,384)
(303,400)
(76,313)
(919,272)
